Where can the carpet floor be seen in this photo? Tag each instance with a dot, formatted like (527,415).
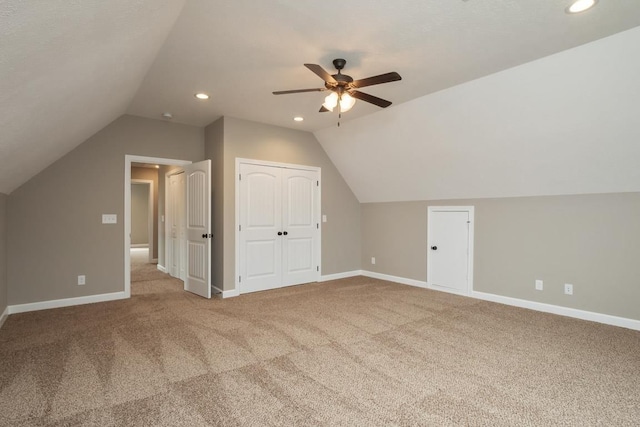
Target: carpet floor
(356,351)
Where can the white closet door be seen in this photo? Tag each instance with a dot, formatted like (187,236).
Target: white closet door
(300,226)
(260,221)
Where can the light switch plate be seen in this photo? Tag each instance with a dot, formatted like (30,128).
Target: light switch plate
(109,218)
(539,285)
(324,218)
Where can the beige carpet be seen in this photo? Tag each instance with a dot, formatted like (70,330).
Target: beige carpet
(357,351)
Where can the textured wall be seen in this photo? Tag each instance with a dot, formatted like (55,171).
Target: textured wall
(54,220)
(590,241)
(214,150)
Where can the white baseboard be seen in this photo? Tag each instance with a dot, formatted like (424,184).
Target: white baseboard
(139,245)
(154,260)
(161,268)
(67,302)
(404,281)
(337,276)
(606,319)
(4,316)
(227,294)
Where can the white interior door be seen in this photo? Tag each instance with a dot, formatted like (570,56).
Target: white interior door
(261,233)
(197,192)
(278,232)
(300,226)
(449,250)
(177,230)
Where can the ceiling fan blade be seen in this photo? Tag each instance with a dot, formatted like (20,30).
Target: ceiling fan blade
(376,80)
(284,92)
(320,72)
(323,110)
(370,98)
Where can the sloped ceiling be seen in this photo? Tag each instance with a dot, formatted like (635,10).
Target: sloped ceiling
(69,68)
(564,124)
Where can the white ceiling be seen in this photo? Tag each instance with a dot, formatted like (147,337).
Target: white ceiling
(69,68)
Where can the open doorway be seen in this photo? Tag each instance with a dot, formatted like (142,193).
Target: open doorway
(146,266)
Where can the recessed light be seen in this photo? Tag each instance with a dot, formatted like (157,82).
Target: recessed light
(201,95)
(580,6)
(298,119)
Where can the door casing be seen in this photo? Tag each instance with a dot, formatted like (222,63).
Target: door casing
(128,159)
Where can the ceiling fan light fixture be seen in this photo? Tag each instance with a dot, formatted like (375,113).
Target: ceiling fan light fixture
(331,101)
(346,102)
(580,6)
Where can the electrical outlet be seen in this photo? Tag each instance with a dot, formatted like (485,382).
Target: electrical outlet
(82,280)
(539,285)
(109,218)
(568,289)
(373,260)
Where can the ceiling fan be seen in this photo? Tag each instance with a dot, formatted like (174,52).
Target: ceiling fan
(344,89)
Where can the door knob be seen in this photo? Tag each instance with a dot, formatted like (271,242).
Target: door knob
(285,233)
(434,248)
(279,233)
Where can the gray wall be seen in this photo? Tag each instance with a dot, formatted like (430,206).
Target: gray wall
(140,214)
(54,220)
(150,174)
(214,150)
(590,241)
(3,252)
(340,235)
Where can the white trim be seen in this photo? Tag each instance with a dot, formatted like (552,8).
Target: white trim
(607,319)
(4,316)
(404,281)
(66,302)
(471,212)
(149,213)
(239,161)
(128,159)
(227,294)
(161,268)
(139,245)
(344,275)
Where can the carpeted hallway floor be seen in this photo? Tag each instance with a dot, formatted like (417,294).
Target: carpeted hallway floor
(356,351)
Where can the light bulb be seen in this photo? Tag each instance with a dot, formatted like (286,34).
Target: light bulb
(331,101)
(581,5)
(346,102)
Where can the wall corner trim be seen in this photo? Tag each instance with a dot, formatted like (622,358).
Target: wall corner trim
(4,316)
(162,268)
(227,294)
(343,275)
(66,302)
(606,319)
(403,280)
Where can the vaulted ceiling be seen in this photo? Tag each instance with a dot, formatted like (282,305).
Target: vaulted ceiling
(69,68)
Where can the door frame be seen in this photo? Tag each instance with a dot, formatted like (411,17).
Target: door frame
(149,184)
(318,248)
(470,210)
(128,159)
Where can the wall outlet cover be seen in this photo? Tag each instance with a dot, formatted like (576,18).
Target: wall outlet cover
(568,289)
(539,285)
